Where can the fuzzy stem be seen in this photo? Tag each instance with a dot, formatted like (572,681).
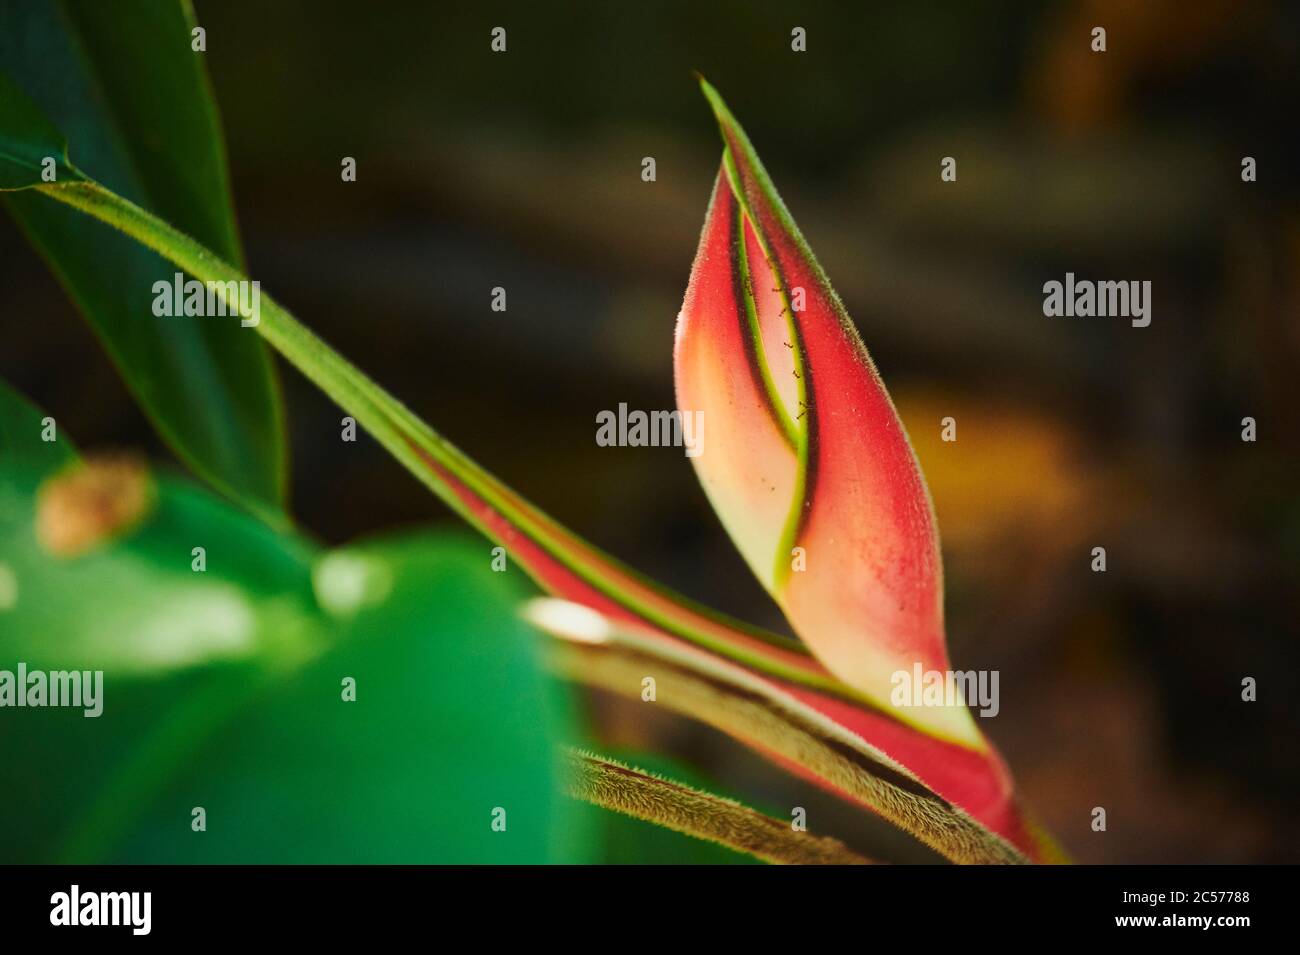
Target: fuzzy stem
(634,792)
(781,728)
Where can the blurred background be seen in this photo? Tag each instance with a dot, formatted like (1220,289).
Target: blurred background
(522,170)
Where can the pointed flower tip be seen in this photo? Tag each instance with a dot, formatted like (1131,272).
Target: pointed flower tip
(721,112)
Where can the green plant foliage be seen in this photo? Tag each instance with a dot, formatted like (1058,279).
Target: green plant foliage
(137,105)
(224,689)
(30,147)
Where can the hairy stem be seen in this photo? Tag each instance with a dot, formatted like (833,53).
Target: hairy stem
(636,793)
(763,717)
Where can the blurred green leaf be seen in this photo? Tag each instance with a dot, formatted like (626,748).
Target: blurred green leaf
(223,689)
(22,447)
(135,101)
(452,722)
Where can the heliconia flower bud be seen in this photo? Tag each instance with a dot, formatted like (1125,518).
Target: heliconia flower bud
(808,465)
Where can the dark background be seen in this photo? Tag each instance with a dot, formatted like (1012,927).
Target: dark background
(522,170)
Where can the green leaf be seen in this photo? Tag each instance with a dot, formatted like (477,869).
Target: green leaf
(224,689)
(136,104)
(22,445)
(452,722)
(28,142)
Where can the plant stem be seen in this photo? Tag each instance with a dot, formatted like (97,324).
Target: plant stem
(421,449)
(634,792)
(750,710)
